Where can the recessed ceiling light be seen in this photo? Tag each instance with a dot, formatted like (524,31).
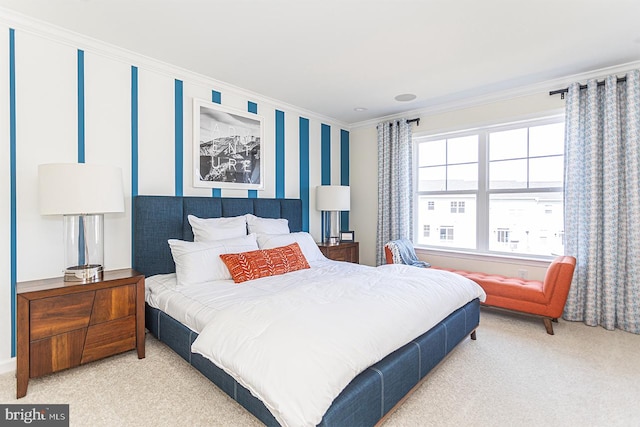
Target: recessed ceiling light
(359,109)
(405,97)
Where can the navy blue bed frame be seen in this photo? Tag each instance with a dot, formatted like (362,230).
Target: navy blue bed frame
(368,398)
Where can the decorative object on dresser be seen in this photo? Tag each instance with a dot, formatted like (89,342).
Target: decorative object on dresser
(331,200)
(82,193)
(344,251)
(347,236)
(61,324)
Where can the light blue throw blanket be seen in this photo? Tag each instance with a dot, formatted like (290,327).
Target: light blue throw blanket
(403,252)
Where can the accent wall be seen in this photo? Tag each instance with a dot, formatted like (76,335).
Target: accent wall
(66,98)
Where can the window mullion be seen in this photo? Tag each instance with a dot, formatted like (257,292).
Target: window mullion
(482,216)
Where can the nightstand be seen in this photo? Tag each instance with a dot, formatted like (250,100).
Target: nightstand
(345,251)
(65,324)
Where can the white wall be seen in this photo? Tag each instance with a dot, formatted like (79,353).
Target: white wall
(364,169)
(46,81)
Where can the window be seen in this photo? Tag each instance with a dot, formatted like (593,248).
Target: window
(500,188)
(457,207)
(426,230)
(503,235)
(446,232)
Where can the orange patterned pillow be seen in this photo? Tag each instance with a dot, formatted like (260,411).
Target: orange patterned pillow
(265,262)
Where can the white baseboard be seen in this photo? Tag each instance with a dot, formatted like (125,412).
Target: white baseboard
(8,365)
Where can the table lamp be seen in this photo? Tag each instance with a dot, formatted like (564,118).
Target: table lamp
(82,193)
(331,199)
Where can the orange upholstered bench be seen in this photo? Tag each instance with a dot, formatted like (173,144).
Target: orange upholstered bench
(545,299)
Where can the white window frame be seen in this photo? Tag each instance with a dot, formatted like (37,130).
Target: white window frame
(482,193)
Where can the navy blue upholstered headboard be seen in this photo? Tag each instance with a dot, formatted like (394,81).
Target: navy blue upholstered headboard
(160,218)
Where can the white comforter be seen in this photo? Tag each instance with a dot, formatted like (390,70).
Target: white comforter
(298,347)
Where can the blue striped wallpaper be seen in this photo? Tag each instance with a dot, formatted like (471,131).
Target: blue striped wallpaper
(179,131)
(81,149)
(280,152)
(325,154)
(304,171)
(325,161)
(344,173)
(81,143)
(252,107)
(134,150)
(12,167)
(134,131)
(216,97)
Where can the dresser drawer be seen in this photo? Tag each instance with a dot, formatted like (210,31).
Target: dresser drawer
(56,353)
(109,338)
(346,251)
(341,254)
(56,315)
(114,303)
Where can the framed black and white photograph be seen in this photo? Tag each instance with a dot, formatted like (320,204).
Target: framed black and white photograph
(227,147)
(347,236)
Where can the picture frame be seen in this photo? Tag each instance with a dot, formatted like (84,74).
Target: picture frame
(347,236)
(228,149)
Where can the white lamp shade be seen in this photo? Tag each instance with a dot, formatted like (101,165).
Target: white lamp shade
(333,198)
(79,188)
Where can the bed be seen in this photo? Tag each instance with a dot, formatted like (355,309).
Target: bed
(367,398)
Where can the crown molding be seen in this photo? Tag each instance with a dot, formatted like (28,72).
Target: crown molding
(21,22)
(525,90)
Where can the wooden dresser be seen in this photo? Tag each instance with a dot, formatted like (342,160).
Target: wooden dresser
(63,324)
(345,251)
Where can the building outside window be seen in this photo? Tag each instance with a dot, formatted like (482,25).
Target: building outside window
(446,232)
(503,235)
(506,180)
(457,207)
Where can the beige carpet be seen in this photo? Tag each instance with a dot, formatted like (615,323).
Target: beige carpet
(513,375)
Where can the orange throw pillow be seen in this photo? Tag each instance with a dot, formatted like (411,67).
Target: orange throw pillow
(265,262)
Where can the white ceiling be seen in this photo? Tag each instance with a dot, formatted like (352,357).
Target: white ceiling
(331,56)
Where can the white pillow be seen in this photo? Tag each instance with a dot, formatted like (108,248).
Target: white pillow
(267,225)
(199,262)
(210,229)
(308,246)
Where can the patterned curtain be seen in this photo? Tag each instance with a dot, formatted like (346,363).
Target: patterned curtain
(395,184)
(602,202)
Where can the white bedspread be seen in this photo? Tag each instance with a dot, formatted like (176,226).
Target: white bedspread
(298,339)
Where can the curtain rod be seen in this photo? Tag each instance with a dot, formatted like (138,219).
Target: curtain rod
(416,121)
(566,89)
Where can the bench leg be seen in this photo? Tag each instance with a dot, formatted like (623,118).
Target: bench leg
(473,335)
(548,325)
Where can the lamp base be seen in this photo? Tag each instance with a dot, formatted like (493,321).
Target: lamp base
(333,241)
(84,273)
